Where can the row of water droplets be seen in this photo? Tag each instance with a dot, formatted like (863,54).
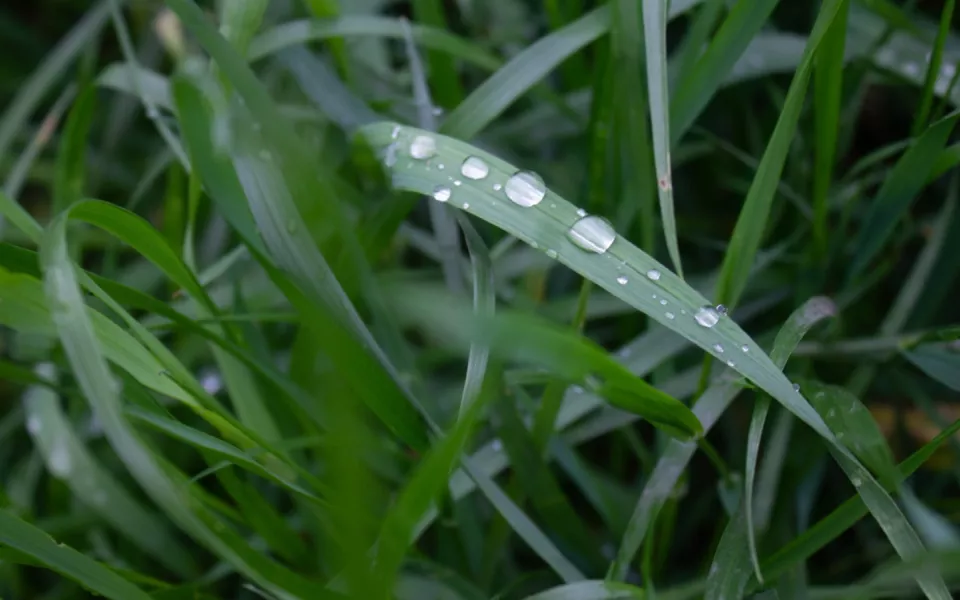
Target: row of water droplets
(524,188)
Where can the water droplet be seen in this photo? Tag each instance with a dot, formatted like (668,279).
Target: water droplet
(670,316)
(457,182)
(593,234)
(437,111)
(663,303)
(423,147)
(551,253)
(474,167)
(211,383)
(153,112)
(856,481)
(745,348)
(525,188)
(730,364)
(441,193)
(654,296)
(718,348)
(721,310)
(707,316)
(653,275)
(466,205)
(441,167)
(622,280)
(395,133)
(60,461)
(34,425)
(497,187)
(581,212)
(796,387)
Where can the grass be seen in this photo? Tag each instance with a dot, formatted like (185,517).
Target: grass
(325,300)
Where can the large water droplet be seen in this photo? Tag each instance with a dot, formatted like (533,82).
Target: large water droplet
(593,234)
(474,167)
(653,275)
(707,316)
(525,188)
(622,280)
(423,147)
(441,193)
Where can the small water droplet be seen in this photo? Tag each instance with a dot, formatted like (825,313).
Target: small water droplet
(663,302)
(622,280)
(466,205)
(745,348)
(457,182)
(683,312)
(721,310)
(395,133)
(423,147)
(718,348)
(796,387)
(581,212)
(497,187)
(593,234)
(474,167)
(707,316)
(551,253)
(441,193)
(653,275)
(441,167)
(437,111)
(730,364)
(525,188)
(670,316)
(856,481)
(654,296)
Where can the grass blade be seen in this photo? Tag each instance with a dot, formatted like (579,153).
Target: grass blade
(39,546)
(658,87)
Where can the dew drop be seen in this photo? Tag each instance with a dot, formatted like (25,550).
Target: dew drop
(653,275)
(593,234)
(670,316)
(466,205)
(707,316)
(796,387)
(581,212)
(551,253)
(730,364)
(718,348)
(474,167)
(622,280)
(721,310)
(441,167)
(441,193)
(745,348)
(663,302)
(856,481)
(497,187)
(525,188)
(437,111)
(423,147)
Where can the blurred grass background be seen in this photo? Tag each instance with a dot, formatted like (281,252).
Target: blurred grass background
(274,395)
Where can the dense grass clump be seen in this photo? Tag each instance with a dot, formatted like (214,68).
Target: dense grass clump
(479,299)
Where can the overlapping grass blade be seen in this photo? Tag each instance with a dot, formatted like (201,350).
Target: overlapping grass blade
(69,459)
(591,590)
(940,361)
(752,222)
(38,545)
(905,181)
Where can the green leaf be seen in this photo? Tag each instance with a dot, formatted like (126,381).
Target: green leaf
(591,590)
(72,158)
